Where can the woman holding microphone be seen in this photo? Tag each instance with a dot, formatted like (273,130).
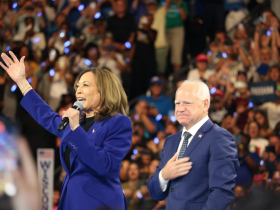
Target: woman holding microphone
(93,144)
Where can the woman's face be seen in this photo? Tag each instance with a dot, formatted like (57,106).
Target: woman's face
(87,92)
(253,130)
(259,119)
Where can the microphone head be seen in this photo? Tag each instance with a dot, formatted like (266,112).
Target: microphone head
(79,105)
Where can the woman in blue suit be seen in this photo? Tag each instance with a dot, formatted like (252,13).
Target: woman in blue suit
(93,144)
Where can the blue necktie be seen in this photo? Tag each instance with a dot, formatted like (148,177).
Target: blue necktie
(187,135)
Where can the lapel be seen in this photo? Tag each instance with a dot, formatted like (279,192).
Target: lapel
(91,132)
(198,137)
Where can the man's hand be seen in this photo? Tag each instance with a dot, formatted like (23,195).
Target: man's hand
(174,169)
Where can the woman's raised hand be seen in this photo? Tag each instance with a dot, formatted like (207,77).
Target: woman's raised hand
(14,67)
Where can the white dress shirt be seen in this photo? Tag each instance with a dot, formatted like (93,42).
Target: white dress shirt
(192,131)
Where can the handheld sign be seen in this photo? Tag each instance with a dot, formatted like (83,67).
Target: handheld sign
(45,165)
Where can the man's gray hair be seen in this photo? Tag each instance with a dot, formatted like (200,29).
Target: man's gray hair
(202,91)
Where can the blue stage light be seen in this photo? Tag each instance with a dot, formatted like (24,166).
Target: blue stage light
(97,15)
(13,88)
(67,43)
(127,45)
(156,140)
(51,72)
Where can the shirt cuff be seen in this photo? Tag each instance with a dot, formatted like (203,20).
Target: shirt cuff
(163,183)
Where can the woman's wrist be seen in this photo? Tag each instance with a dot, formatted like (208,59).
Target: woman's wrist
(24,86)
(21,83)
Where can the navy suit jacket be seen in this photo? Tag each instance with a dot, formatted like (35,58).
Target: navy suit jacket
(209,184)
(93,180)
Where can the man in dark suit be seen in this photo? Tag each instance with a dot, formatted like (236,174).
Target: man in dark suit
(201,173)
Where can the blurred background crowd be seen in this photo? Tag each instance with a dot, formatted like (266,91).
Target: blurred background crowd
(152,46)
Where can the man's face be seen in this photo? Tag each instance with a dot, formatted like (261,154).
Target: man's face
(156,89)
(238,191)
(151,8)
(226,123)
(274,141)
(133,171)
(212,82)
(244,141)
(217,102)
(189,109)
(221,37)
(142,106)
(30,21)
(120,6)
(201,65)
(146,159)
(265,56)
(274,74)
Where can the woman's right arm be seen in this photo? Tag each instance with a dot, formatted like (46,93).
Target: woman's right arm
(32,102)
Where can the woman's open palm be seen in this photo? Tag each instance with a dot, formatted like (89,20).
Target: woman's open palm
(14,68)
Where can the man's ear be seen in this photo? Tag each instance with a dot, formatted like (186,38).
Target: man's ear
(206,104)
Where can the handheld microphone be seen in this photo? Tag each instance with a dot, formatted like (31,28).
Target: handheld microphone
(78,106)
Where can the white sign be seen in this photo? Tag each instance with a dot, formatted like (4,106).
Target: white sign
(45,165)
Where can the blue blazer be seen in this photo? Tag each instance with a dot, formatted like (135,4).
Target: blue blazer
(209,184)
(93,181)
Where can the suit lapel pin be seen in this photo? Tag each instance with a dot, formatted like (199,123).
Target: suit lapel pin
(200,135)
(93,131)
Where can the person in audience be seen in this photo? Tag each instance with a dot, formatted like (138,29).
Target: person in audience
(176,14)
(256,140)
(142,60)
(159,103)
(261,118)
(110,58)
(240,197)
(249,162)
(274,140)
(142,115)
(134,183)
(201,71)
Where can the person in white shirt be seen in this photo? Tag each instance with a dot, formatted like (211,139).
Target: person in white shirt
(256,140)
(199,164)
(201,72)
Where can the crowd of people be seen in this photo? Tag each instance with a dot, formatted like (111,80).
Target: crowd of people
(141,42)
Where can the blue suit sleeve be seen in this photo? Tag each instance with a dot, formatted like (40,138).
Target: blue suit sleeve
(41,112)
(115,146)
(222,169)
(153,183)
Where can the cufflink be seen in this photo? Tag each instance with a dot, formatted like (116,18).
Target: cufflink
(93,131)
